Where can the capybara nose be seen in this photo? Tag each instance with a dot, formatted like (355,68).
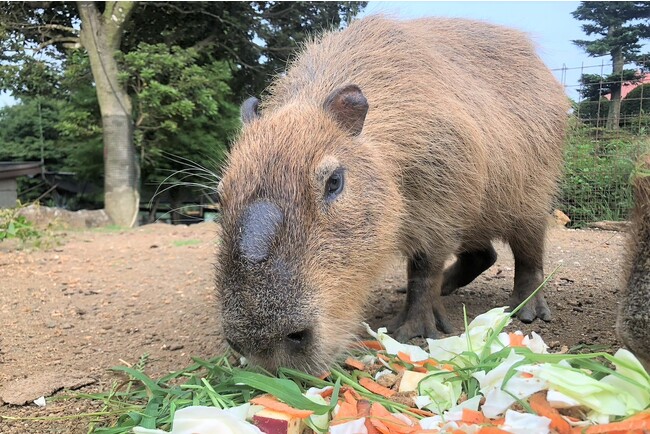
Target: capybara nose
(299,341)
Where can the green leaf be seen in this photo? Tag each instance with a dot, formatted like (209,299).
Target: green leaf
(285,390)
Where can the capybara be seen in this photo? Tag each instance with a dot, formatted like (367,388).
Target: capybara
(633,323)
(428,138)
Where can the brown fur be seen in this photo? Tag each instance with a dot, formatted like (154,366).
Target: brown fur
(633,324)
(462,144)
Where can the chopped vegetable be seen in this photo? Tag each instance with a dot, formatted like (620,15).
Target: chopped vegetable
(375,387)
(275,422)
(271,403)
(540,405)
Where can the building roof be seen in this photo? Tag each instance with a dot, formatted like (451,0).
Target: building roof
(9,170)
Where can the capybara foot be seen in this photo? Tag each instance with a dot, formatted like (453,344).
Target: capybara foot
(426,326)
(535,308)
(422,327)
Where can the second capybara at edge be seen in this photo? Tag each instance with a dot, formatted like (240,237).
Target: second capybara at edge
(428,138)
(633,323)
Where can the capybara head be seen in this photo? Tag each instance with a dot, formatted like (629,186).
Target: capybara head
(634,312)
(309,214)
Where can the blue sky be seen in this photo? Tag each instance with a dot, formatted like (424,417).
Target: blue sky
(550,25)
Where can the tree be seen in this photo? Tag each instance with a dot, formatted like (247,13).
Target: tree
(44,34)
(621,26)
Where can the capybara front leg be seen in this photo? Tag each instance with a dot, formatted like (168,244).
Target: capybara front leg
(468,266)
(529,275)
(424,312)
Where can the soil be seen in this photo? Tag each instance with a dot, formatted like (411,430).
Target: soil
(103,298)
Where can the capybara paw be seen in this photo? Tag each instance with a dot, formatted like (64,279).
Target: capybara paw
(448,288)
(425,328)
(535,308)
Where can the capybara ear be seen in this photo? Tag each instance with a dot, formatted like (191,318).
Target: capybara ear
(349,107)
(249,110)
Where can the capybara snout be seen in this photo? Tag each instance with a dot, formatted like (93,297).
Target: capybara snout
(417,138)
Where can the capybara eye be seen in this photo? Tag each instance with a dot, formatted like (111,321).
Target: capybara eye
(334,185)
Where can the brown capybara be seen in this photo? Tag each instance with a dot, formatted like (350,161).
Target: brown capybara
(429,138)
(633,325)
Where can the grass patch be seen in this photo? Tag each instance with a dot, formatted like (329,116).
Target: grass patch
(181,243)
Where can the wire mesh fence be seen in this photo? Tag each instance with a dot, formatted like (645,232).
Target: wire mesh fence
(602,148)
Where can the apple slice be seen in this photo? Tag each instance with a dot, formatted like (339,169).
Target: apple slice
(274,422)
(410,381)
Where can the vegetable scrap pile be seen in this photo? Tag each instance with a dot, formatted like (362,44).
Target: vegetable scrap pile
(485,381)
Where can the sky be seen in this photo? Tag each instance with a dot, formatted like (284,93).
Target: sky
(549,24)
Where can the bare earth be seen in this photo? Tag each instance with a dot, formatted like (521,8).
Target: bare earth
(103,298)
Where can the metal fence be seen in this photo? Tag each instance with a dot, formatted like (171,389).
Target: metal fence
(601,157)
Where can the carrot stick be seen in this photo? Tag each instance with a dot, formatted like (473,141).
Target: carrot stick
(516,340)
(499,421)
(347,412)
(491,430)
(372,345)
(374,387)
(327,392)
(540,405)
(472,417)
(351,396)
(381,418)
(272,403)
(640,424)
(363,410)
(404,357)
(421,412)
(354,363)
(324,375)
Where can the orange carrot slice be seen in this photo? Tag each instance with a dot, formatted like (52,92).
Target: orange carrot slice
(355,364)
(473,417)
(347,412)
(382,419)
(421,412)
(635,423)
(516,340)
(272,403)
(491,430)
(404,357)
(541,406)
(375,387)
(372,345)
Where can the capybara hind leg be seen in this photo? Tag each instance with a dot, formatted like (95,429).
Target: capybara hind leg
(424,312)
(528,250)
(468,266)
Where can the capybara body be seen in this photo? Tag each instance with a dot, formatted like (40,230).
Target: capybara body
(429,138)
(633,324)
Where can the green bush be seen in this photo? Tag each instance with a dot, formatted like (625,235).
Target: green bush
(13,225)
(593,113)
(597,172)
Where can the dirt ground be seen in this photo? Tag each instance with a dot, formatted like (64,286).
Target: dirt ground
(104,298)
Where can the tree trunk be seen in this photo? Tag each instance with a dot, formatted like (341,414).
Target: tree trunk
(614,113)
(101,36)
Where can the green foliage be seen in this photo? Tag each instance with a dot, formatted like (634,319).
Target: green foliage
(596,184)
(637,101)
(181,107)
(621,27)
(13,225)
